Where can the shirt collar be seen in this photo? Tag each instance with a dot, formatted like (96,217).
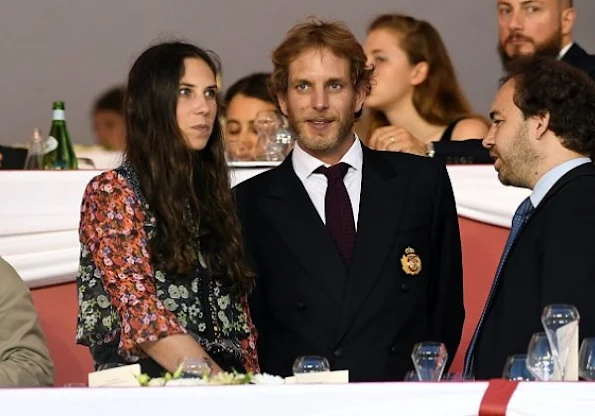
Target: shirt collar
(547,181)
(565,50)
(305,164)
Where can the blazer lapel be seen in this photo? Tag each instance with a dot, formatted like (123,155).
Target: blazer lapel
(289,209)
(383,196)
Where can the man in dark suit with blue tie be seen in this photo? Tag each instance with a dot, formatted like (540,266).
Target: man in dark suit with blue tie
(357,252)
(542,138)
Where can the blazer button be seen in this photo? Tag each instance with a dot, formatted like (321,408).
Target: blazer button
(300,306)
(338,353)
(394,350)
(404,288)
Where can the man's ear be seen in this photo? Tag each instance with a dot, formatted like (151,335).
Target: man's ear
(282,100)
(360,97)
(567,21)
(542,125)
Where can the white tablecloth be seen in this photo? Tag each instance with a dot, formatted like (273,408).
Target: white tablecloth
(39,214)
(411,399)
(296,400)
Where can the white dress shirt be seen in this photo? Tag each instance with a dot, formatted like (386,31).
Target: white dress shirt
(564,50)
(304,166)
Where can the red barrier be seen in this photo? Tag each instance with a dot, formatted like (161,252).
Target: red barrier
(57,309)
(496,398)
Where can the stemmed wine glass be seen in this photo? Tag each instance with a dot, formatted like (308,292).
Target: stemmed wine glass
(195,368)
(516,369)
(429,359)
(560,323)
(540,360)
(586,360)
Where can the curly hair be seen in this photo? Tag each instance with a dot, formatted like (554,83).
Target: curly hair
(185,189)
(545,85)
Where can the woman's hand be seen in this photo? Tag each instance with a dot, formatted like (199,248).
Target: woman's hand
(170,351)
(396,139)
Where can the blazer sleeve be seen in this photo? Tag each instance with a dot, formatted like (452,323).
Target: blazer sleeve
(568,258)
(446,293)
(24,357)
(256,298)
(462,152)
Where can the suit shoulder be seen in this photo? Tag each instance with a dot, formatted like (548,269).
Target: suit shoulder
(258,182)
(580,188)
(409,162)
(11,281)
(574,201)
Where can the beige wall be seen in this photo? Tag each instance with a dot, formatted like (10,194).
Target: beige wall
(73,49)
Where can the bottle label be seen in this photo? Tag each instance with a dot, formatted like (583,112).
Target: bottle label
(50,144)
(58,115)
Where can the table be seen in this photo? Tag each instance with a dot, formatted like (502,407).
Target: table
(411,399)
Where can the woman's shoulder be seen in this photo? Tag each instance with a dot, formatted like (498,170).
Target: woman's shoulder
(469,128)
(108,181)
(113,187)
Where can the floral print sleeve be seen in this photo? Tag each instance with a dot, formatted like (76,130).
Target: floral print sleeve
(249,353)
(112,233)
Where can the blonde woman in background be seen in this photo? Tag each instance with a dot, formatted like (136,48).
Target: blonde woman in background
(416,99)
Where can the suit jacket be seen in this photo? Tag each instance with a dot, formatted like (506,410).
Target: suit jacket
(460,152)
(551,261)
(24,357)
(12,157)
(365,318)
(579,58)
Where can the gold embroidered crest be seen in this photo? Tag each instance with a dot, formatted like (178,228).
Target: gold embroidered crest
(410,262)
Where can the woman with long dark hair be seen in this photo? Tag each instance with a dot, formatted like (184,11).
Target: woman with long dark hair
(162,276)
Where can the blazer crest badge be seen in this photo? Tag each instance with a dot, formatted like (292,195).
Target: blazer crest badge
(410,262)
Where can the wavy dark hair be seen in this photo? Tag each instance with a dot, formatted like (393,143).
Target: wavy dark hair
(184,188)
(546,85)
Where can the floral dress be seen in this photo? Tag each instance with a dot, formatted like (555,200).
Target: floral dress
(124,300)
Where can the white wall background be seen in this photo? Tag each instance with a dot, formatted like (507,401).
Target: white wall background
(72,50)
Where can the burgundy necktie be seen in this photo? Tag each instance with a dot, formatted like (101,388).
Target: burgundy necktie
(339,214)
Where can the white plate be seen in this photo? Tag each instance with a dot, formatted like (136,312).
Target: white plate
(253,164)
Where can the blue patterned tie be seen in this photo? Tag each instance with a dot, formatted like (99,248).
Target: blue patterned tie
(520,218)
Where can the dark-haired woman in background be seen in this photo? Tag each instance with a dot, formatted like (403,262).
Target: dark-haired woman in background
(415,99)
(162,276)
(108,121)
(244,99)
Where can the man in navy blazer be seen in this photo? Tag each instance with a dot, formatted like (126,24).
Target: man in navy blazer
(355,269)
(542,138)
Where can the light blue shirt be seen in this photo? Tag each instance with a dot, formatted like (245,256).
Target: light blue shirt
(547,181)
